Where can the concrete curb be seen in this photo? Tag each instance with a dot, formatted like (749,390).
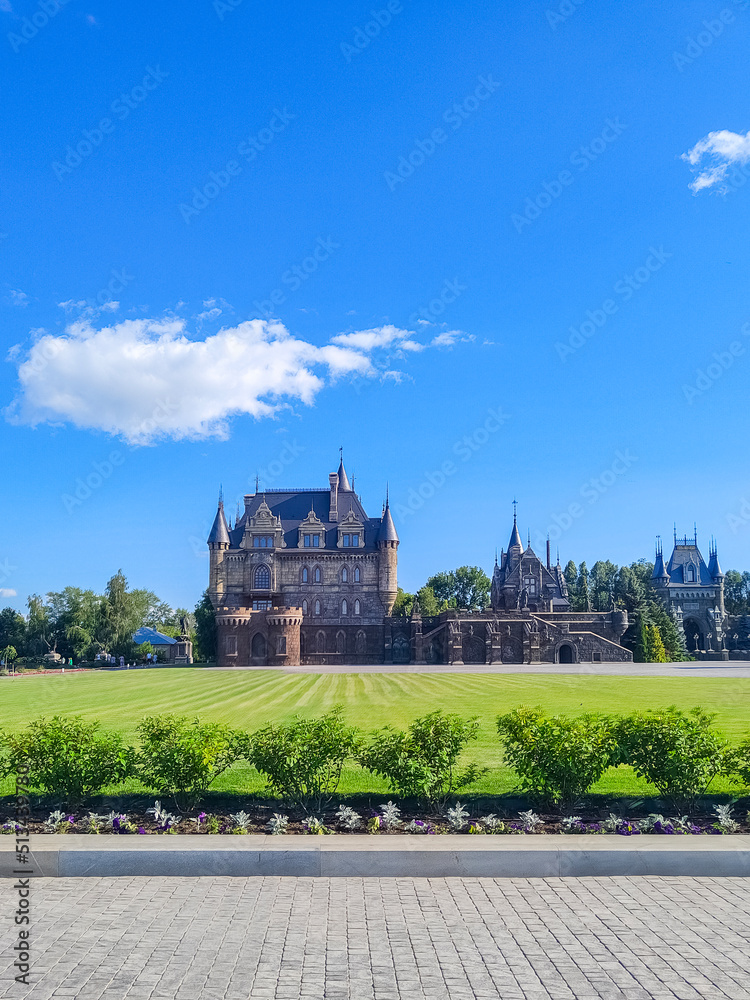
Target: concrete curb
(380,856)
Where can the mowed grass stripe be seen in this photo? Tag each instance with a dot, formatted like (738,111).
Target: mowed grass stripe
(250,699)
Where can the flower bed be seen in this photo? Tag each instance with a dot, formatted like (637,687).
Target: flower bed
(386,819)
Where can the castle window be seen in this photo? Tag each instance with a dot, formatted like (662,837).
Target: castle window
(317,607)
(691,574)
(350,541)
(262,541)
(344,608)
(305,574)
(356,607)
(344,575)
(318,574)
(262,578)
(312,541)
(529,583)
(340,642)
(321,642)
(304,607)
(261,605)
(281,644)
(230,645)
(357,574)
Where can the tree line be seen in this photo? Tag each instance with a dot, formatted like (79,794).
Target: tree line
(78,624)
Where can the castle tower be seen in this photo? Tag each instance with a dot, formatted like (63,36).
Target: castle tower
(515,545)
(218,543)
(387,569)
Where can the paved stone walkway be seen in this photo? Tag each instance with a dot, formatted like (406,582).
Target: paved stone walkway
(385,939)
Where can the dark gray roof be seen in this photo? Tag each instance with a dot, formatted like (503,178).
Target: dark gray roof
(219,530)
(293,507)
(659,570)
(515,537)
(343,478)
(681,557)
(387,527)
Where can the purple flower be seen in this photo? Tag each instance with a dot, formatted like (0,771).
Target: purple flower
(116,824)
(141,829)
(71,819)
(202,817)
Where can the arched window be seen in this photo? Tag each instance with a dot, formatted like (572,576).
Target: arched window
(344,608)
(263,578)
(318,575)
(344,575)
(357,574)
(691,574)
(304,607)
(317,607)
(321,642)
(357,609)
(305,574)
(340,642)
(361,642)
(259,647)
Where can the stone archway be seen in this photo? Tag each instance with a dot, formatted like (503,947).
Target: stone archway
(473,649)
(259,649)
(566,653)
(401,649)
(694,636)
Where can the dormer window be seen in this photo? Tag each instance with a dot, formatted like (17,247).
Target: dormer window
(312,541)
(350,540)
(262,541)
(691,574)
(529,583)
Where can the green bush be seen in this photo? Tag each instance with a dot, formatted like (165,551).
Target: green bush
(741,761)
(676,751)
(182,757)
(302,761)
(68,757)
(422,762)
(557,758)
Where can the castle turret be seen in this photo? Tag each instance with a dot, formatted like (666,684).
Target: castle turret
(715,570)
(388,546)
(660,576)
(515,545)
(218,543)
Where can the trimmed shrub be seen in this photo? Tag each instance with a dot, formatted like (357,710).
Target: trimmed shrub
(302,761)
(68,757)
(557,758)
(422,762)
(676,751)
(182,757)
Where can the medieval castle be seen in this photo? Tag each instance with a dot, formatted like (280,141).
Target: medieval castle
(307,577)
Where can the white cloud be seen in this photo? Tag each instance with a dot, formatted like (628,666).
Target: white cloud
(145,379)
(18,298)
(714,155)
(448,338)
(7,592)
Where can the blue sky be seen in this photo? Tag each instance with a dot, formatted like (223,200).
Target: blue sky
(463,241)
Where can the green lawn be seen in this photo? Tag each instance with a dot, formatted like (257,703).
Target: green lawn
(250,699)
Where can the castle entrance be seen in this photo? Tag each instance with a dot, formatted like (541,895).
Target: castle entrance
(693,636)
(473,649)
(565,653)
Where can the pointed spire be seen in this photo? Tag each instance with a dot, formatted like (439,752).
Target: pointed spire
(387,531)
(713,566)
(343,478)
(219,534)
(660,572)
(515,537)
(257,482)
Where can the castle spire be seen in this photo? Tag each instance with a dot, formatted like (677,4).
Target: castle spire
(387,531)
(219,534)
(343,478)
(515,537)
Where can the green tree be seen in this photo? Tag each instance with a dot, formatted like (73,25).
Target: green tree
(403,604)
(737,592)
(12,629)
(119,617)
(583,599)
(7,656)
(571,578)
(465,587)
(602,584)
(428,602)
(38,627)
(205,628)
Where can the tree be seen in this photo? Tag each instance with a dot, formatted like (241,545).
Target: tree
(571,578)
(428,603)
(12,629)
(671,636)
(403,604)
(602,584)
(737,592)
(205,628)
(583,598)
(465,587)
(7,656)
(119,617)
(38,627)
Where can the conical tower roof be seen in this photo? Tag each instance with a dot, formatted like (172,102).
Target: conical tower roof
(387,531)
(219,534)
(713,566)
(343,478)
(515,536)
